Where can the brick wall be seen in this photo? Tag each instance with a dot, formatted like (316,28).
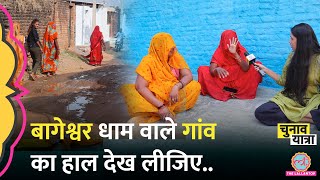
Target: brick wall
(65,20)
(263,27)
(24,11)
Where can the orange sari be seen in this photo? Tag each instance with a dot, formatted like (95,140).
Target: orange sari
(156,69)
(50,57)
(19,37)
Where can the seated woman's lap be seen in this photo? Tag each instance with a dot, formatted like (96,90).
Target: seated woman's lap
(270,114)
(188,96)
(316,117)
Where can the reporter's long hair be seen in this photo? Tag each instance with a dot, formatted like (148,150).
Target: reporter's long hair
(298,70)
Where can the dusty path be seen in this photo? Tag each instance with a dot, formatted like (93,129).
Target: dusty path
(80,92)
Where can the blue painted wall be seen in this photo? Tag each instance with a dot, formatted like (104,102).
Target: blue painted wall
(263,27)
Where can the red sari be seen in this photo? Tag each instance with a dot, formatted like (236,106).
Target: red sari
(246,83)
(96,47)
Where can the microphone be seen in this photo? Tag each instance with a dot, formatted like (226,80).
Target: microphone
(252,60)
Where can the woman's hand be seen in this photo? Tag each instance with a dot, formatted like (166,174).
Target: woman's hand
(58,52)
(164,112)
(174,94)
(269,72)
(260,67)
(233,45)
(222,73)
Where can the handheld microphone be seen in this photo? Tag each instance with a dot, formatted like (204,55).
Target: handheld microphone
(252,59)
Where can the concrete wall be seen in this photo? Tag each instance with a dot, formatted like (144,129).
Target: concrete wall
(84,24)
(263,27)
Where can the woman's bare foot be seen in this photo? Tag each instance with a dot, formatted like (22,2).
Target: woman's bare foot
(308,116)
(32,77)
(172,117)
(306,120)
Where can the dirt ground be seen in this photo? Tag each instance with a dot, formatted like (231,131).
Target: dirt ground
(78,93)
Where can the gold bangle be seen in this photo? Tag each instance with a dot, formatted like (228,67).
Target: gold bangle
(182,85)
(179,83)
(161,106)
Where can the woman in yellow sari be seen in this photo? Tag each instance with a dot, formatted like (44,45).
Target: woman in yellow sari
(164,84)
(19,37)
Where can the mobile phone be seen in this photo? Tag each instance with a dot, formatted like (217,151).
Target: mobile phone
(230,89)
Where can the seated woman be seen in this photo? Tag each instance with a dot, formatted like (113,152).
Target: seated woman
(164,83)
(300,99)
(229,74)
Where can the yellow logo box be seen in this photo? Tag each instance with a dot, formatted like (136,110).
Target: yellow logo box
(286,129)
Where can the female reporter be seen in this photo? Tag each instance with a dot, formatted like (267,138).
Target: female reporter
(299,100)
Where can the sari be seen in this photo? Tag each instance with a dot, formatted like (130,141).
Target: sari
(162,74)
(19,37)
(246,83)
(50,58)
(96,47)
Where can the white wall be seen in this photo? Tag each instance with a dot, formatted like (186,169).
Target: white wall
(102,22)
(84,24)
(78,30)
